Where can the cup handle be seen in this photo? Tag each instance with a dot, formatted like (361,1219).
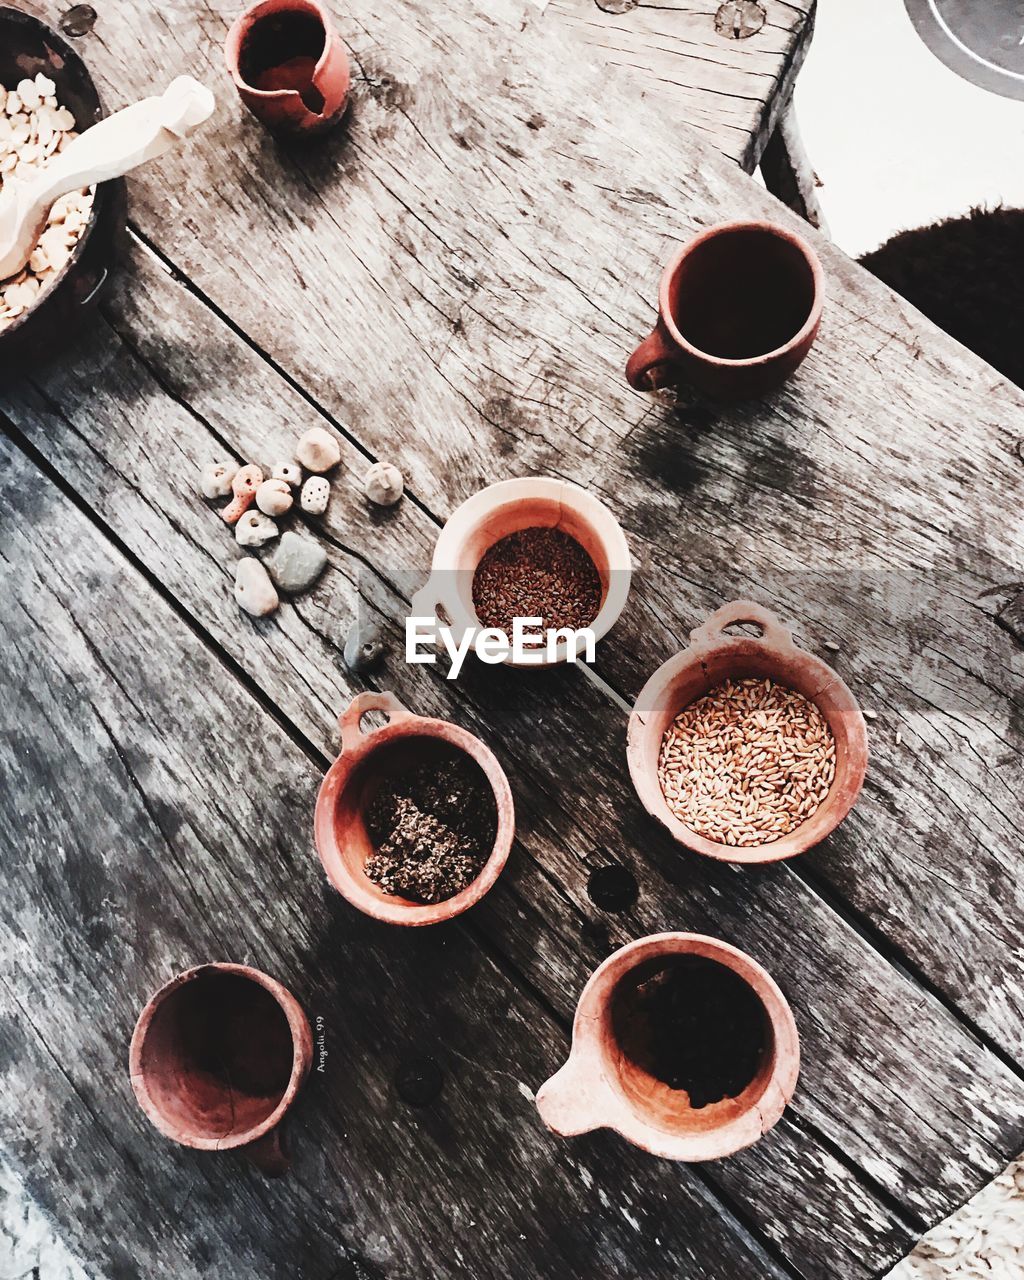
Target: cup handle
(650,365)
(710,632)
(576,1100)
(371,701)
(268,1153)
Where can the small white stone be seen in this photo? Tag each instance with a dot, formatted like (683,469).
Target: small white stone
(28,92)
(315,495)
(274,497)
(63,119)
(38,262)
(384,484)
(253,528)
(45,85)
(216,477)
(13,104)
(289,472)
(318,450)
(253,589)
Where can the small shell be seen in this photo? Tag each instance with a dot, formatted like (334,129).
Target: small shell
(315,495)
(215,479)
(247,480)
(318,450)
(289,472)
(274,498)
(254,590)
(384,484)
(254,528)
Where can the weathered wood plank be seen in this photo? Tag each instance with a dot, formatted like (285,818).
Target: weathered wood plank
(505,232)
(833,979)
(730,91)
(146,838)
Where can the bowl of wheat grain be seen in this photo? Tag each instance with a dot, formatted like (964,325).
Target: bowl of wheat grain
(745,746)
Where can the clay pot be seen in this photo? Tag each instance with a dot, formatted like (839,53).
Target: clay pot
(217,1058)
(738,309)
(601,1087)
(505,508)
(28,46)
(339,827)
(714,656)
(289,65)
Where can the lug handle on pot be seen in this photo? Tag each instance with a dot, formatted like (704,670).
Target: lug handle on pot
(712,630)
(349,719)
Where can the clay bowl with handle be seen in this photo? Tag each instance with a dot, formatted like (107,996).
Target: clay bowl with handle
(714,656)
(367,757)
(508,507)
(605,1085)
(217,1059)
(27,47)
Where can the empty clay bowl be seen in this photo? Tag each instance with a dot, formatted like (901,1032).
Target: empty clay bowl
(289,65)
(342,840)
(217,1058)
(738,309)
(505,508)
(605,1084)
(714,656)
(27,47)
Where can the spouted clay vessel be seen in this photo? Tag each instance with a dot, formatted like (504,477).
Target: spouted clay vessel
(505,508)
(289,66)
(342,840)
(217,1058)
(601,1087)
(714,656)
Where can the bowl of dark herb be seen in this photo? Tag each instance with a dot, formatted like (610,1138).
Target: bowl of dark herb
(682,1044)
(414,820)
(530,548)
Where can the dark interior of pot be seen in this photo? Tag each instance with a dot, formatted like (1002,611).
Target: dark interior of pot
(217,1056)
(694,1046)
(28,47)
(742,294)
(281,51)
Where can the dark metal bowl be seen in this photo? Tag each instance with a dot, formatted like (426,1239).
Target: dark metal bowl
(28,46)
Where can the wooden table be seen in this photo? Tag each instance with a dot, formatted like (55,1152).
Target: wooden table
(454,282)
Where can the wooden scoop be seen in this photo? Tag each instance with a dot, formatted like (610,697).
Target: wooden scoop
(107,150)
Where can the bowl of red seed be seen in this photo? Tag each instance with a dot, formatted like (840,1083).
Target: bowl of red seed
(745,746)
(530,548)
(414,820)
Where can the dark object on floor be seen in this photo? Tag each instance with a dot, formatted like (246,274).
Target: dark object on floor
(967,275)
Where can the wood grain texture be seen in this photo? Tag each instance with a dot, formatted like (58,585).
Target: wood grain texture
(167,383)
(149,838)
(729,91)
(500,212)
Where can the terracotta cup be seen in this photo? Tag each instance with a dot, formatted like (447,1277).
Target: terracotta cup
(738,309)
(505,508)
(339,826)
(217,1058)
(602,1087)
(289,65)
(714,656)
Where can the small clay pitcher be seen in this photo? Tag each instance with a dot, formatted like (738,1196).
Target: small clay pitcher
(714,656)
(602,1087)
(217,1058)
(505,508)
(339,825)
(738,309)
(289,65)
